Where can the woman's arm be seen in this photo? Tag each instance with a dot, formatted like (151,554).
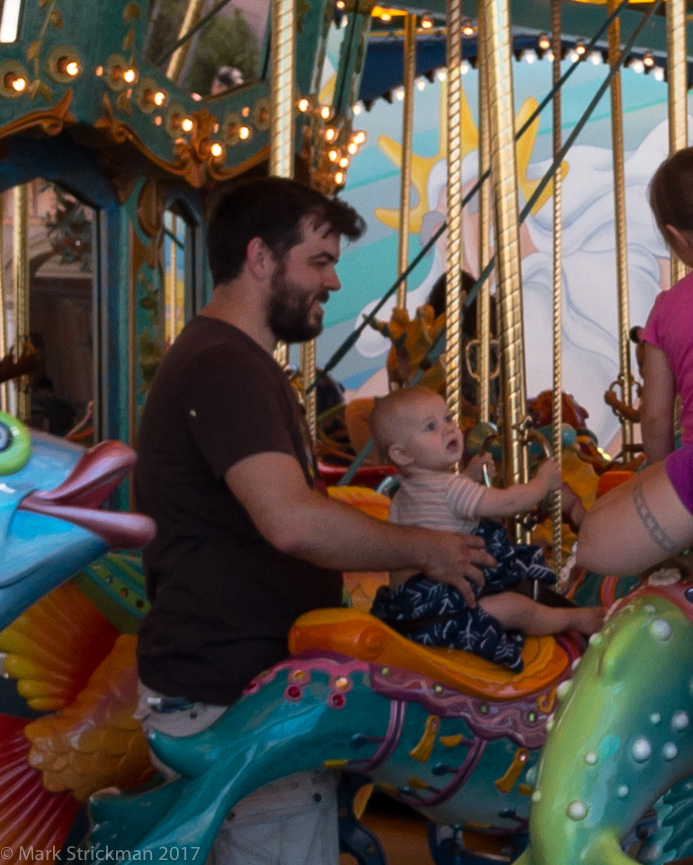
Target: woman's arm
(657,405)
(636,525)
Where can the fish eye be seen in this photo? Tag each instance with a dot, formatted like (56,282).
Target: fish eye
(15,444)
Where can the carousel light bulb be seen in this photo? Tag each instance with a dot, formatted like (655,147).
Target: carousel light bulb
(344,162)
(16,82)
(330,133)
(130,76)
(399,94)
(421,84)
(244,133)
(385,16)
(303,105)
(333,155)
(549,55)
(360,137)
(326,112)
(596,58)
(216,150)
(426,21)
(341,4)
(648,59)
(352,148)
(464,67)
(186,124)
(339,178)
(442,74)
(658,73)
(357,109)
(530,55)
(637,65)
(574,56)
(467,28)
(544,42)
(580,47)
(159,98)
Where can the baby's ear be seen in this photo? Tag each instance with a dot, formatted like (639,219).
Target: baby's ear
(399,456)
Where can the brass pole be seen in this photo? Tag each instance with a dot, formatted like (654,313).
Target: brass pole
(498,51)
(281,157)
(677,77)
(407,139)
(620,226)
(4,395)
(557,403)
(180,55)
(21,288)
(484,302)
(170,328)
(453,304)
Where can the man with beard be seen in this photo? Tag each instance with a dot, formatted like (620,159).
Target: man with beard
(245,543)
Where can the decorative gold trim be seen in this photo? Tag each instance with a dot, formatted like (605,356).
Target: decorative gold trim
(51,121)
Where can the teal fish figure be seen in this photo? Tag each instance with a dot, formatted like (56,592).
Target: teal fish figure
(51,521)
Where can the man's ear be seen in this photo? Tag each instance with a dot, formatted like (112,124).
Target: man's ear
(399,456)
(260,258)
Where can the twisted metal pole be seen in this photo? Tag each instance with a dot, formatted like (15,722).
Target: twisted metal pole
(453,301)
(620,227)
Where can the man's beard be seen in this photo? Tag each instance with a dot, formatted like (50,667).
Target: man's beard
(289,310)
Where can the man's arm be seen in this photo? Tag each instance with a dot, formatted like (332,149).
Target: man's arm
(657,405)
(303,523)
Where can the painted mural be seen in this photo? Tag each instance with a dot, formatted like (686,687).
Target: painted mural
(590,314)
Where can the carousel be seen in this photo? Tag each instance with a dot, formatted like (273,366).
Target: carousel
(119,124)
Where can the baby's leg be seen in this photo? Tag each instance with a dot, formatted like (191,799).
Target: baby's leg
(520,613)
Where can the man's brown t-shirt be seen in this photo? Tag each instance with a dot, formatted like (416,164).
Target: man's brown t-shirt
(223,599)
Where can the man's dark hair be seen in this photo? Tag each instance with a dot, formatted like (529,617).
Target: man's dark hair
(271,208)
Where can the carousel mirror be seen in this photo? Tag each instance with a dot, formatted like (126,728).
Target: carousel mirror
(47,287)
(208,48)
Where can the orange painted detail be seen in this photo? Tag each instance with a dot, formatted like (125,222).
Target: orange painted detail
(358,635)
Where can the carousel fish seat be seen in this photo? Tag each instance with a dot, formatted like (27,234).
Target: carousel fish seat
(366,638)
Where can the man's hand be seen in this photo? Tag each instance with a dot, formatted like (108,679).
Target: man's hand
(457,559)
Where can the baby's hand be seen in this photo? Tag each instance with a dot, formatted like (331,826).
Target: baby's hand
(475,468)
(550,475)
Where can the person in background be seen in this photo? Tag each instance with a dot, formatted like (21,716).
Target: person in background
(56,415)
(246,543)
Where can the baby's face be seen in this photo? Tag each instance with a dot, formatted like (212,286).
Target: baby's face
(430,437)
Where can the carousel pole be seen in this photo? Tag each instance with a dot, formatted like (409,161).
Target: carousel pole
(557,402)
(484,303)
(620,225)
(453,300)
(21,288)
(498,54)
(407,139)
(677,78)
(180,55)
(4,396)
(281,158)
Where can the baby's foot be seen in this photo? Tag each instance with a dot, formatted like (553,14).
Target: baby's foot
(588,620)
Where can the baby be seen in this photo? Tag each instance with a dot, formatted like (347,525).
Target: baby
(414,427)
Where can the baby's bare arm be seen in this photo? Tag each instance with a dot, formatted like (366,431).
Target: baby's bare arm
(521,497)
